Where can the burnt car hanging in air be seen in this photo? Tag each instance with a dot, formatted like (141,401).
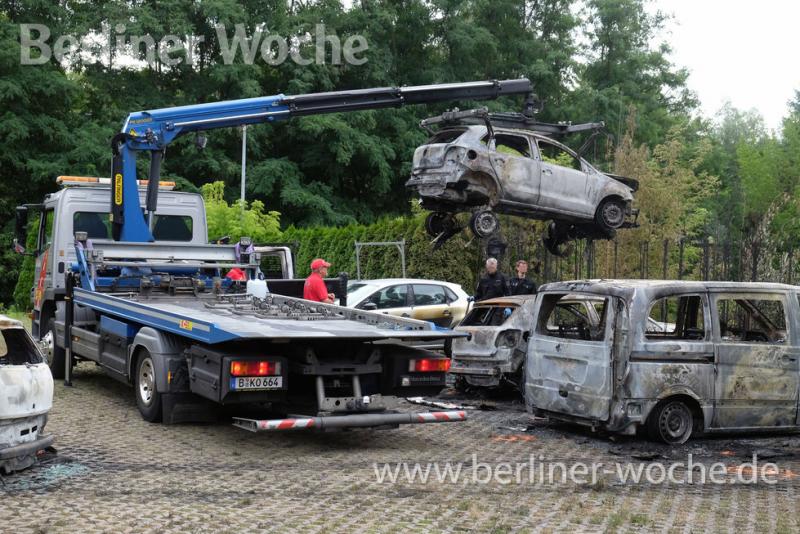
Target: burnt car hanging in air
(490,163)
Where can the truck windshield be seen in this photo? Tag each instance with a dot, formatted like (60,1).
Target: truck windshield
(16,348)
(165,227)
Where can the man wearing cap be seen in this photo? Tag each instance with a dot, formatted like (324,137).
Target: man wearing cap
(315,288)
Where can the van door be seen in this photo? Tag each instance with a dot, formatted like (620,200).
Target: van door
(757,361)
(571,356)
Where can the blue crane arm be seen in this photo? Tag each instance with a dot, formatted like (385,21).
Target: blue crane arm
(151,131)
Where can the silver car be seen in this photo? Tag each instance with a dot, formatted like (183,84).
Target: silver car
(494,352)
(518,172)
(26,396)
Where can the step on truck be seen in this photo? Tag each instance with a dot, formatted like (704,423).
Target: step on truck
(142,293)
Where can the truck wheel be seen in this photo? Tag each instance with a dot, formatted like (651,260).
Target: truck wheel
(56,356)
(148,399)
(671,422)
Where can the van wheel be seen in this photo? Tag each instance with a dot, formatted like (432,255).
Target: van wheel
(56,356)
(148,399)
(671,422)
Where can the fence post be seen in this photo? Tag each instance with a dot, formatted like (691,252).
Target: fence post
(680,258)
(706,258)
(664,259)
(754,272)
(790,277)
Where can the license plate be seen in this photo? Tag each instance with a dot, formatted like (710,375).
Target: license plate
(256,382)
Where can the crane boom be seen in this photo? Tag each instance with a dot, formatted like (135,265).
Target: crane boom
(151,131)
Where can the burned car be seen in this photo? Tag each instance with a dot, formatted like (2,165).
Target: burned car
(26,396)
(500,165)
(495,350)
(670,357)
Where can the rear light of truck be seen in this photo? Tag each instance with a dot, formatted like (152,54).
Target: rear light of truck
(255,368)
(429,365)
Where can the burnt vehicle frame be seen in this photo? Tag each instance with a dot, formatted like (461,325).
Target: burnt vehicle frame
(26,397)
(724,358)
(494,352)
(490,163)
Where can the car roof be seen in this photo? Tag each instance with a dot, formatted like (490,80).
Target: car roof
(8,322)
(515,300)
(388,281)
(628,286)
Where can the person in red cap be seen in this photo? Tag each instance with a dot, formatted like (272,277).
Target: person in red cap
(314,288)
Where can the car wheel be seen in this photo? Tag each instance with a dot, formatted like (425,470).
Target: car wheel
(437,222)
(484,223)
(671,422)
(56,356)
(148,399)
(610,214)
(555,240)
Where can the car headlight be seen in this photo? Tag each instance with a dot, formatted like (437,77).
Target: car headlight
(508,339)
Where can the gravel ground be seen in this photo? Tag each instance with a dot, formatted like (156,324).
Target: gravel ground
(114,472)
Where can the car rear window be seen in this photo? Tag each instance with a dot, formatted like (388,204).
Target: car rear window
(446,136)
(488,315)
(16,348)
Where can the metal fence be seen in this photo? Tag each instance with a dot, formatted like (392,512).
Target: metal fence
(673,259)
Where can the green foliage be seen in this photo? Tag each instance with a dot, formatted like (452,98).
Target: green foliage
(346,172)
(240,218)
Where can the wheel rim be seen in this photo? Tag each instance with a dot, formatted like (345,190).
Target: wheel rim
(485,223)
(146,381)
(47,342)
(675,423)
(613,214)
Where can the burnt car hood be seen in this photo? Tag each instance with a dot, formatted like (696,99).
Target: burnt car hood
(630,182)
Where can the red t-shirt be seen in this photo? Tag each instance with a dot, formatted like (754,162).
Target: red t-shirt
(315,289)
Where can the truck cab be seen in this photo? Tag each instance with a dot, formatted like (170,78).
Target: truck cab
(82,205)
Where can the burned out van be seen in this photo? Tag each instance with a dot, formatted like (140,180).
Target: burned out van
(672,357)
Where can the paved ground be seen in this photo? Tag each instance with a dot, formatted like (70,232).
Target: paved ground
(115,473)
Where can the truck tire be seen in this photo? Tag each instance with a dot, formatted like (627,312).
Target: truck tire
(148,399)
(56,356)
(671,422)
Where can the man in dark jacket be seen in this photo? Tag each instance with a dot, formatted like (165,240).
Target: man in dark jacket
(492,283)
(521,284)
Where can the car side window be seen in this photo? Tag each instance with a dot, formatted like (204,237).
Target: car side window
(676,317)
(389,297)
(513,145)
(743,319)
(428,295)
(557,155)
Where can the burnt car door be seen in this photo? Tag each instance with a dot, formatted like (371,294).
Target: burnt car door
(757,361)
(564,180)
(570,359)
(516,170)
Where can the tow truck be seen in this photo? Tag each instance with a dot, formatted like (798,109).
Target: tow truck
(144,294)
